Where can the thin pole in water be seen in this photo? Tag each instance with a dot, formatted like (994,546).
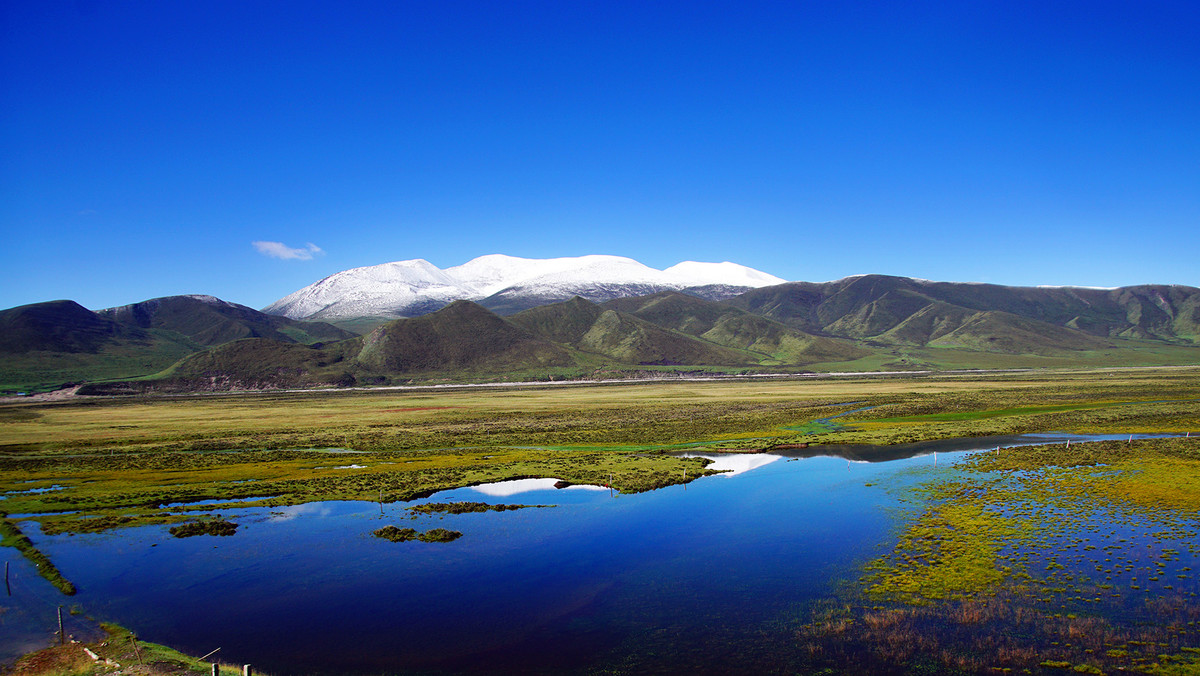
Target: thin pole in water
(62,635)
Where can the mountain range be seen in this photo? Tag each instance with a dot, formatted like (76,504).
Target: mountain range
(505,284)
(621,317)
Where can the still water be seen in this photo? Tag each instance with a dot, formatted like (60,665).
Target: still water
(712,576)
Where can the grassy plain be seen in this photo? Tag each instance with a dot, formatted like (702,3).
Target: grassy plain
(88,465)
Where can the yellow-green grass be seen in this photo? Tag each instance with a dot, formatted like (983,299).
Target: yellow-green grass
(1043,556)
(1129,353)
(128,462)
(118,652)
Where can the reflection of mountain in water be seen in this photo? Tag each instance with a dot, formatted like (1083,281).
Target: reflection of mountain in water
(502,489)
(873,453)
(735,463)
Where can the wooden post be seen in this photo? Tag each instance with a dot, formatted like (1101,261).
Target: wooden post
(62,635)
(6,586)
(216,670)
(207,655)
(136,651)
(1068,443)
(246,671)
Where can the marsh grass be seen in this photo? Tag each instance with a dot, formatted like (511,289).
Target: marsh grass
(466,507)
(11,536)
(133,462)
(218,527)
(396,534)
(1037,558)
(119,652)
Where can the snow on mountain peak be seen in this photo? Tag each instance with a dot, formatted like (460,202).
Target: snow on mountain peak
(726,273)
(410,287)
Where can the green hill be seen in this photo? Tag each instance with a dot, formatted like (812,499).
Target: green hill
(59,326)
(212,321)
(46,345)
(622,337)
(248,364)
(460,336)
(876,306)
(730,327)
(1010,334)
(566,322)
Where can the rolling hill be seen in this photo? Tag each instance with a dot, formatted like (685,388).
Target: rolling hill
(870,322)
(212,321)
(460,336)
(627,339)
(910,311)
(731,327)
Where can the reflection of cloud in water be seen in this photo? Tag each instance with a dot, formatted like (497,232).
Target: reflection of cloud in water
(737,463)
(310,509)
(502,489)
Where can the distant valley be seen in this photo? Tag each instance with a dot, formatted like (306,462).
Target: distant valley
(502,318)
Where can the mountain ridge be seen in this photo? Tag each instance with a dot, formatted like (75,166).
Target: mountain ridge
(866,322)
(505,284)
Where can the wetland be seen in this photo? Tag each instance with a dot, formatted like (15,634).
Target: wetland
(946,524)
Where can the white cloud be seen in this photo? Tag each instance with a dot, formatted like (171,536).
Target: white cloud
(287,253)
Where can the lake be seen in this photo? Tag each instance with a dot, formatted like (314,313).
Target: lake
(713,576)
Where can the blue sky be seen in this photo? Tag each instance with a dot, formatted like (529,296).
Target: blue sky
(146,146)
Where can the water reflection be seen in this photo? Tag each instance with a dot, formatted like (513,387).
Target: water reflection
(732,464)
(709,578)
(311,509)
(502,489)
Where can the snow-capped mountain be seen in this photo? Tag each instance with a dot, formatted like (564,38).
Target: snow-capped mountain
(505,284)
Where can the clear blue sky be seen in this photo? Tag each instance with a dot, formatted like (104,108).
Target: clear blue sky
(144,146)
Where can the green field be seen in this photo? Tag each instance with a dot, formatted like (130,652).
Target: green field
(115,462)
(87,465)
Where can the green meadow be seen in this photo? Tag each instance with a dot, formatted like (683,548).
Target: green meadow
(978,546)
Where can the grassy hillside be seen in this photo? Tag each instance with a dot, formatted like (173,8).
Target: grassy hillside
(59,326)
(871,322)
(565,322)
(624,338)
(211,321)
(722,324)
(47,345)
(875,305)
(462,335)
